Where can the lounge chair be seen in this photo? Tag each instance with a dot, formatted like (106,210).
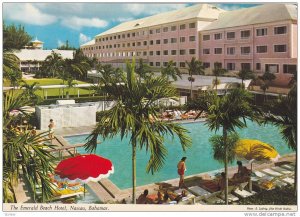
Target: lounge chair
(282,170)
(243,193)
(198,191)
(288,180)
(271,172)
(288,166)
(266,182)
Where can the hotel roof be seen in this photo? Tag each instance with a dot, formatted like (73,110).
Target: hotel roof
(40,55)
(204,11)
(260,14)
(91,42)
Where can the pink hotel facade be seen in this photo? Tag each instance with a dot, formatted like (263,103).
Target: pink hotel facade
(261,38)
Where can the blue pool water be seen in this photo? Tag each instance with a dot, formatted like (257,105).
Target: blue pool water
(199,156)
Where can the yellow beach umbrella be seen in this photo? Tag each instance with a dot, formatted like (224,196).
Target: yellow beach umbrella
(255,151)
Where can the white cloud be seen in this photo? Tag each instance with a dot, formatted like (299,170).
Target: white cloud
(77,23)
(60,43)
(83,38)
(27,13)
(149,9)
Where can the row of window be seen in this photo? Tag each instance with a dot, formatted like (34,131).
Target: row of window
(151,31)
(272,68)
(158,64)
(246,33)
(247,50)
(191,38)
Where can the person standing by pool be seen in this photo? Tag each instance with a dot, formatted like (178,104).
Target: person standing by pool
(181,168)
(51,129)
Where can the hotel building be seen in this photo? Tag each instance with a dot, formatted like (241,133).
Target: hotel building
(261,38)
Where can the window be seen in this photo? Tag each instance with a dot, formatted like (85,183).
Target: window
(192,38)
(272,68)
(151,42)
(138,53)
(206,51)
(145,53)
(218,50)
(230,35)
(182,64)
(106,38)
(173,40)
(145,43)
(133,44)
(157,64)
(218,36)
(182,52)
(115,45)
(258,66)
(151,32)
(110,38)
(165,64)
(128,44)
(261,32)
(128,35)
(173,28)
(123,35)
(182,26)
(173,52)
(192,25)
(151,63)
(261,49)
(165,29)
(289,68)
(96,40)
(280,48)
(157,30)
(245,66)
(230,50)
(182,39)
(206,37)
(119,36)
(151,53)
(192,51)
(206,65)
(157,41)
(166,52)
(280,30)
(158,53)
(231,66)
(123,45)
(139,43)
(165,41)
(245,50)
(133,34)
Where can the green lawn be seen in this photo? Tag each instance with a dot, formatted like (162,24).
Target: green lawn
(49,81)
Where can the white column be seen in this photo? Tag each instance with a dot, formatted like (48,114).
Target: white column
(78,93)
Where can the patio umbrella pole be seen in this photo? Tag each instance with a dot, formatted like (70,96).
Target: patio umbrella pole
(84,189)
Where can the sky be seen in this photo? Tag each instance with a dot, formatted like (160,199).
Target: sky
(54,23)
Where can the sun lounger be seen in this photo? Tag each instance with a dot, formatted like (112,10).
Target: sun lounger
(198,191)
(288,166)
(231,197)
(243,193)
(214,199)
(282,170)
(288,180)
(271,172)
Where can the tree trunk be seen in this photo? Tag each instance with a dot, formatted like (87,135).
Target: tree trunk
(133,172)
(226,164)
(216,85)
(191,87)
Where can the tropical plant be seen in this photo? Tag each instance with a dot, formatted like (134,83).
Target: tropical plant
(30,90)
(227,112)
(52,65)
(66,46)
(171,71)
(24,154)
(245,74)
(265,81)
(218,71)
(132,116)
(283,113)
(143,70)
(195,67)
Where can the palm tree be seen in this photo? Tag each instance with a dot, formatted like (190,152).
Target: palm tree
(143,70)
(171,70)
(218,71)
(131,116)
(283,113)
(23,154)
(266,80)
(52,64)
(226,112)
(245,74)
(195,67)
(30,90)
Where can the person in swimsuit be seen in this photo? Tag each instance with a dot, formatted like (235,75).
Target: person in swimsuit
(181,169)
(51,129)
(242,174)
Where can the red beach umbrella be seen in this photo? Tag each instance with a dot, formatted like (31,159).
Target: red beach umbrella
(84,168)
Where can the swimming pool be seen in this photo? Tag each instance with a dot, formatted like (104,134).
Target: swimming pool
(199,156)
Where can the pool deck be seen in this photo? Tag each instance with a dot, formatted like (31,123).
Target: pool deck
(108,192)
